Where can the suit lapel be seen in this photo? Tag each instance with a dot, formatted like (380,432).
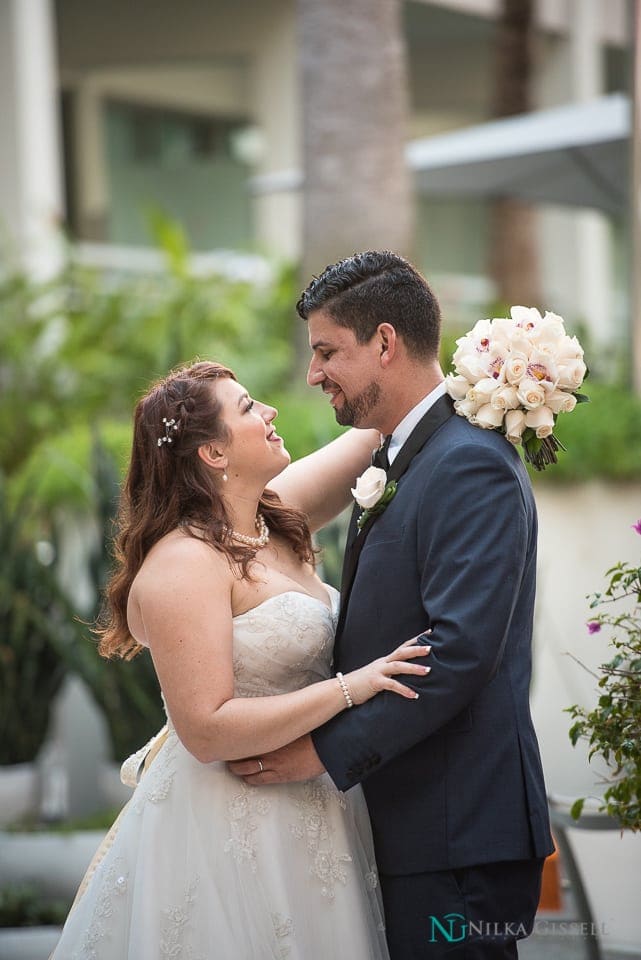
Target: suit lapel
(437,415)
(352,534)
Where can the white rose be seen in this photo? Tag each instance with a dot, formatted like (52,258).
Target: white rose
(482,391)
(571,374)
(561,402)
(505,398)
(531,393)
(457,386)
(489,417)
(467,408)
(569,349)
(515,367)
(514,425)
(503,329)
(541,420)
(370,487)
(469,363)
(549,333)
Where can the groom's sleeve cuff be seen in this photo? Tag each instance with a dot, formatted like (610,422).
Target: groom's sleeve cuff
(338,755)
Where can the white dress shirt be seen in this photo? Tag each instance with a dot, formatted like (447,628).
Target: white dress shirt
(409,421)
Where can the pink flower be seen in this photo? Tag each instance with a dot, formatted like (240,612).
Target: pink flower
(593,626)
(637,526)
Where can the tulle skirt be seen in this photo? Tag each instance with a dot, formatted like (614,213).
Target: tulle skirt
(201,866)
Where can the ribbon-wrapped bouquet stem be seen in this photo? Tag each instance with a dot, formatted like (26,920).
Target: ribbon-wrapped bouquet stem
(516,374)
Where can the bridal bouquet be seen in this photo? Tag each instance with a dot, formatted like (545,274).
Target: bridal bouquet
(516,374)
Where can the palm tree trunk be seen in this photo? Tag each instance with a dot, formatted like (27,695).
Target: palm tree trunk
(513,250)
(356,192)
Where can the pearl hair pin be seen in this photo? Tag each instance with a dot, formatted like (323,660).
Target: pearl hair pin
(170,427)
(255,542)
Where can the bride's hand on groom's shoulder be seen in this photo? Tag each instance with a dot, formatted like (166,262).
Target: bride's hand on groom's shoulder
(293,762)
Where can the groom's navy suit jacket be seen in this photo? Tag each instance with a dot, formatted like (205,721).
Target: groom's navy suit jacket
(454,778)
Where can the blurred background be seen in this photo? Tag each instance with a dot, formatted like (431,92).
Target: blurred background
(170,177)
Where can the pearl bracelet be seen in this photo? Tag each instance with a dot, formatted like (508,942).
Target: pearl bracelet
(343,685)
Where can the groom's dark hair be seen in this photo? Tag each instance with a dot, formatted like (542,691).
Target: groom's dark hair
(376,287)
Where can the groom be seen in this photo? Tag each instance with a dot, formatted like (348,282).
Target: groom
(453,781)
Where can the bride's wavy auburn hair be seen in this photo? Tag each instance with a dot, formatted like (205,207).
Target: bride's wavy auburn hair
(168,485)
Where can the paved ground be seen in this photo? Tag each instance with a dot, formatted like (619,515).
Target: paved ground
(555,942)
(561,936)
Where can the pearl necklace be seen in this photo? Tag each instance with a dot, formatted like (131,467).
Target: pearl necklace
(255,542)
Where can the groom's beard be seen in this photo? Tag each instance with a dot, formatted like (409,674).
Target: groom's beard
(353,412)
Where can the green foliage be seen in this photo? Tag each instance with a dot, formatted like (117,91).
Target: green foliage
(22,905)
(602,438)
(127,692)
(75,354)
(448,348)
(101,821)
(613,727)
(36,629)
(79,349)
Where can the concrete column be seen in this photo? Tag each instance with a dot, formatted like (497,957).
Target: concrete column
(31,202)
(275,106)
(594,293)
(90,162)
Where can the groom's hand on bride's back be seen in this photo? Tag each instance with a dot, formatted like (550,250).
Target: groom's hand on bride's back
(293,762)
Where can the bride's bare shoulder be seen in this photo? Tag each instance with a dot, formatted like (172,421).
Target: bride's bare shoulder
(178,558)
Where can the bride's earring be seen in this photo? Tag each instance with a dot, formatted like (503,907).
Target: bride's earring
(225,478)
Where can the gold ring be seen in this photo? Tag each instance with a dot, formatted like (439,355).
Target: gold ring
(260,765)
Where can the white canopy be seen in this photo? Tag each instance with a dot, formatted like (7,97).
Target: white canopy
(575,154)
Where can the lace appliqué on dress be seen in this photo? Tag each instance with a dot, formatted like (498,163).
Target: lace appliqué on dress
(371,879)
(156,783)
(313,827)
(242,810)
(174,926)
(114,885)
(283,927)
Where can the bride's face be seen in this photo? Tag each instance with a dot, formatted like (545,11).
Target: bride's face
(254,448)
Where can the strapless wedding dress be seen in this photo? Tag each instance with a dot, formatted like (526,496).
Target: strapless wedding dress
(202,867)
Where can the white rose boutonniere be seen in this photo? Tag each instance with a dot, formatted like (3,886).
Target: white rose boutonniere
(372,493)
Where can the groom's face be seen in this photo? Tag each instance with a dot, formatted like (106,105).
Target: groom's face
(347,371)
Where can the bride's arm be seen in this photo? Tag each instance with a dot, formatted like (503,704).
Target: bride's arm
(320,483)
(183,599)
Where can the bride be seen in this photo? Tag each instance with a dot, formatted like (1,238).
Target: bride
(215,576)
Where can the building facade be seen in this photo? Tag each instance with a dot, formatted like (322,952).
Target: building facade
(112,112)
